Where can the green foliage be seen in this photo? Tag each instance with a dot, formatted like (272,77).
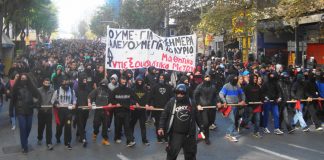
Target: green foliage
(97,24)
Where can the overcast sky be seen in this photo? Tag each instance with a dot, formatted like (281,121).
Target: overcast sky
(71,12)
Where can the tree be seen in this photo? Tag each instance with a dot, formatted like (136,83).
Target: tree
(97,24)
(141,14)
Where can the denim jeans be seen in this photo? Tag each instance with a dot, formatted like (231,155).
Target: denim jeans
(299,117)
(13,118)
(25,124)
(231,129)
(267,107)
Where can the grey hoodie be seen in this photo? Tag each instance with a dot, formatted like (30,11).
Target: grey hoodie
(113,86)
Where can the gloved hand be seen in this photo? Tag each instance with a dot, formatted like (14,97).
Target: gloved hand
(266,99)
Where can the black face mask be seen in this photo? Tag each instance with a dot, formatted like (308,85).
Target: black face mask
(24,82)
(207,82)
(123,85)
(46,87)
(272,79)
(161,81)
(234,82)
(181,99)
(82,85)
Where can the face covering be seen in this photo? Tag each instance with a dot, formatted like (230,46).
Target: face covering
(272,79)
(234,81)
(161,81)
(24,82)
(46,87)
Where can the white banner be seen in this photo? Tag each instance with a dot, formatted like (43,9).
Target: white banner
(138,48)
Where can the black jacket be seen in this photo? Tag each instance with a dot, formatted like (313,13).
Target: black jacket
(298,90)
(253,93)
(271,90)
(285,90)
(205,95)
(100,96)
(125,97)
(141,94)
(23,101)
(160,95)
(166,117)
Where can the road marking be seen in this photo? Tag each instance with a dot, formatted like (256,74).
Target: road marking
(122,157)
(305,148)
(273,153)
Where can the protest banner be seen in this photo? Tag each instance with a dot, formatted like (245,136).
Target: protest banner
(141,48)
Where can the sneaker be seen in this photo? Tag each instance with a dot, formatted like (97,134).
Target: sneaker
(231,138)
(292,130)
(39,142)
(105,142)
(118,141)
(13,127)
(212,127)
(85,143)
(165,140)
(278,132)
(94,137)
(50,147)
(319,129)
(109,129)
(266,131)
(257,135)
(131,144)
(306,129)
(146,142)
(68,147)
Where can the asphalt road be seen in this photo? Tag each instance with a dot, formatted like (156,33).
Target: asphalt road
(299,145)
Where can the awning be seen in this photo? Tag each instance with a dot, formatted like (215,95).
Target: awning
(6,42)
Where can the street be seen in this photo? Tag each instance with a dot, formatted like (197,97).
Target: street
(299,145)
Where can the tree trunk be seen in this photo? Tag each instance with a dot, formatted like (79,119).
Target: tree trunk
(1,25)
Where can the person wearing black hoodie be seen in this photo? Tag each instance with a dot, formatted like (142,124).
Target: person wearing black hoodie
(82,93)
(312,92)
(253,94)
(272,96)
(151,77)
(123,97)
(101,98)
(298,92)
(140,114)
(159,96)
(205,95)
(284,109)
(185,80)
(178,121)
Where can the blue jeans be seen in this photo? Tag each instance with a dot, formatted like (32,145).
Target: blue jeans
(25,124)
(231,129)
(13,118)
(267,107)
(299,117)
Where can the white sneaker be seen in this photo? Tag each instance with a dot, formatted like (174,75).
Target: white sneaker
(231,138)
(278,132)
(319,129)
(131,144)
(13,127)
(118,141)
(212,127)
(266,131)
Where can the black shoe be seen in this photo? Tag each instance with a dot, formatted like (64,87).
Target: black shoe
(85,143)
(165,140)
(292,130)
(68,147)
(50,147)
(146,142)
(159,141)
(207,141)
(25,151)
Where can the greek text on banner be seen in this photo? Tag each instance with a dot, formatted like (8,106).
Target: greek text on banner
(141,48)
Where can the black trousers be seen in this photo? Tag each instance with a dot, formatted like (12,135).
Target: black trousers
(311,110)
(178,141)
(284,116)
(65,117)
(101,118)
(207,117)
(156,115)
(82,118)
(141,116)
(123,119)
(45,120)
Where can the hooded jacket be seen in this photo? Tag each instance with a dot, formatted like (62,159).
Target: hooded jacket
(231,94)
(160,94)
(271,89)
(112,86)
(253,91)
(205,94)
